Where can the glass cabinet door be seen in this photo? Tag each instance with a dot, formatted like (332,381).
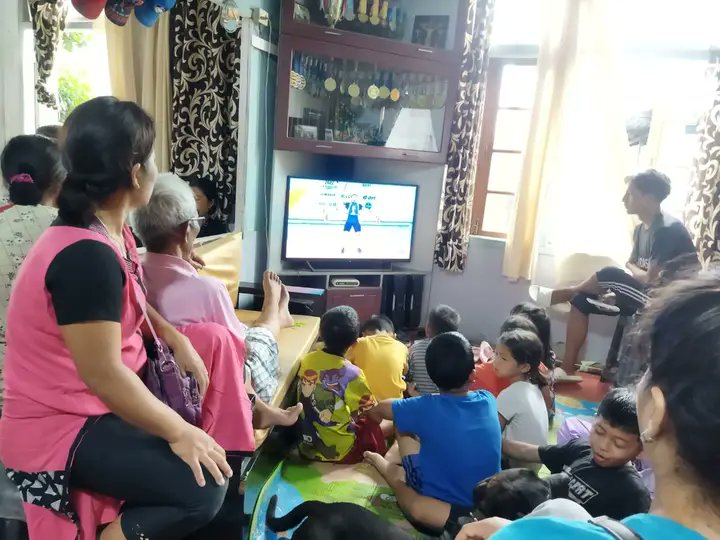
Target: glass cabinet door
(430,24)
(357,102)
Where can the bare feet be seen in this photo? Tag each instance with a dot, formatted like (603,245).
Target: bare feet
(275,416)
(389,471)
(286,320)
(272,287)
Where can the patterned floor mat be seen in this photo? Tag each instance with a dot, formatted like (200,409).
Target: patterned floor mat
(295,481)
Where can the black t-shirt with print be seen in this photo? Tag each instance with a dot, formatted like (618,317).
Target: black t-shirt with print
(666,239)
(614,492)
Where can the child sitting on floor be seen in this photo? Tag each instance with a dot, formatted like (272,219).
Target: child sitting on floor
(383,359)
(335,396)
(521,408)
(447,442)
(525,316)
(597,474)
(440,320)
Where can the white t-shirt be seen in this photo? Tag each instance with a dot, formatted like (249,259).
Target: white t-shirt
(523,406)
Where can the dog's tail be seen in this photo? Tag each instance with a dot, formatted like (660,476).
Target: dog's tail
(293,518)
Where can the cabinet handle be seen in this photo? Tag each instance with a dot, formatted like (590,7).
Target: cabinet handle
(333,33)
(422,49)
(323,146)
(357,296)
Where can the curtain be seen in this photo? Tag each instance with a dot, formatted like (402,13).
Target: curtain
(572,181)
(702,213)
(205,63)
(139,61)
(48,22)
(456,207)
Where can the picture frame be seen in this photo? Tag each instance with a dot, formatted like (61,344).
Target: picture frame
(431,30)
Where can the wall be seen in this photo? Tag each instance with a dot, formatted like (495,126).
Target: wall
(483,296)
(11,74)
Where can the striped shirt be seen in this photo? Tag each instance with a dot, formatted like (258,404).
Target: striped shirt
(417,371)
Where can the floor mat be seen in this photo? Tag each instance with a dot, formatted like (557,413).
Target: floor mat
(296,480)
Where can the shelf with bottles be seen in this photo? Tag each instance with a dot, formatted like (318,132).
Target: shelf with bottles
(360,103)
(426,29)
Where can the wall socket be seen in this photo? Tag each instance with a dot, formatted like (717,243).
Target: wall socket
(261,17)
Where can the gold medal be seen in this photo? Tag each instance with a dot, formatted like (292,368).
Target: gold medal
(330,84)
(384,92)
(362,11)
(373,92)
(354,90)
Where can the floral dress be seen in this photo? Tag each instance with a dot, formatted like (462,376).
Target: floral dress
(20,226)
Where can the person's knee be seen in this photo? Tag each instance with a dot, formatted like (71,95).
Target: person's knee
(203,503)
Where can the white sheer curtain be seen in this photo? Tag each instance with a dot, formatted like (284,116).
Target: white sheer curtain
(571,187)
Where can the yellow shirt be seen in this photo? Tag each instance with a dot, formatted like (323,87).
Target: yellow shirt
(384,360)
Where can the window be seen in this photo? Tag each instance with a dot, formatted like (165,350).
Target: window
(80,72)
(508,102)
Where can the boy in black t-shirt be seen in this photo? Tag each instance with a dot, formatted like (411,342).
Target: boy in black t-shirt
(597,474)
(658,240)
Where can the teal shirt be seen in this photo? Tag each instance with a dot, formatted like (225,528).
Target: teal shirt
(646,526)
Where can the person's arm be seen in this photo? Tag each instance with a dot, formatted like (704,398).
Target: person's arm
(90,328)
(185,354)
(521,451)
(637,272)
(482,530)
(382,411)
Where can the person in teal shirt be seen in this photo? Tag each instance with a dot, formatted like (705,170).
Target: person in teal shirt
(678,404)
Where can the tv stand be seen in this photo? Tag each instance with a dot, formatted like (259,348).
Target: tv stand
(397,294)
(347,266)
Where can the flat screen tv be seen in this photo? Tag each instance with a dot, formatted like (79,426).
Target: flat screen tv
(337,220)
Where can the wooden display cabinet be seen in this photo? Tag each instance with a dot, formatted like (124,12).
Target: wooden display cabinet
(349,101)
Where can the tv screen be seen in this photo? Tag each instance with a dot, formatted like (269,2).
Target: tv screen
(340,220)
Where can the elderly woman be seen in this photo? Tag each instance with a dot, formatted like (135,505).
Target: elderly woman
(80,432)
(678,403)
(168,226)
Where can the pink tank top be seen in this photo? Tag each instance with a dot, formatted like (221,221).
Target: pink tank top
(46,401)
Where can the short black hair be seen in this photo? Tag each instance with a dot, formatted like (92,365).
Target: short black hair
(511,494)
(619,409)
(443,319)
(652,182)
(339,329)
(518,322)
(449,360)
(378,323)
(207,186)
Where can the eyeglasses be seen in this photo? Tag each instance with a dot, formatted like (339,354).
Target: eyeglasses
(197,221)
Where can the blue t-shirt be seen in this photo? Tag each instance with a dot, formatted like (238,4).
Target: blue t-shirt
(644,525)
(460,441)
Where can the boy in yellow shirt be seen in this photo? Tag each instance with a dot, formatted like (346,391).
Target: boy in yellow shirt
(383,359)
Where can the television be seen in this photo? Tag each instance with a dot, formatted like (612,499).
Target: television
(340,220)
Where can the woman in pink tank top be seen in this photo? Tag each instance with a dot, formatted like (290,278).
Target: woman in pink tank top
(80,432)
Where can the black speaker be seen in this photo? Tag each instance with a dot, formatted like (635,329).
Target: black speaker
(395,299)
(413,300)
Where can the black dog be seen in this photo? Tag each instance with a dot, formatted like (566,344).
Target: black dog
(332,521)
(510,494)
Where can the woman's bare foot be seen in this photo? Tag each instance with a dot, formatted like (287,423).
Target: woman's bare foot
(389,471)
(286,320)
(272,288)
(275,416)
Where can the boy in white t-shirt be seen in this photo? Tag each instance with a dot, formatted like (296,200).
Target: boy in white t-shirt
(521,407)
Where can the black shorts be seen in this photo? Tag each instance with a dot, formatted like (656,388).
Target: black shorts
(630,294)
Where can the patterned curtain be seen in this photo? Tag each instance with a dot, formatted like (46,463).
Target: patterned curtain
(454,230)
(205,64)
(702,212)
(48,21)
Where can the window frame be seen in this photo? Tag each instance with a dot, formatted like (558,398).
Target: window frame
(486,149)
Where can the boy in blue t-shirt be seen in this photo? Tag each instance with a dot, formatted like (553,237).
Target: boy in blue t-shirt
(459,439)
